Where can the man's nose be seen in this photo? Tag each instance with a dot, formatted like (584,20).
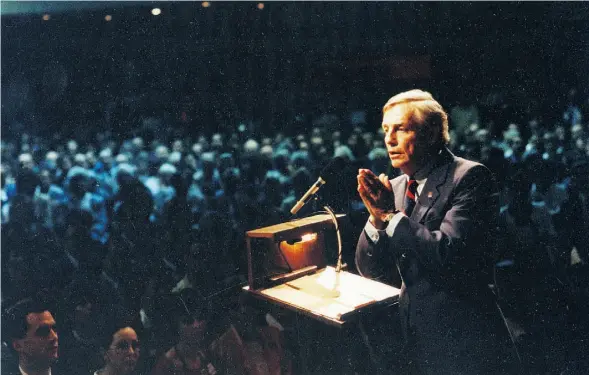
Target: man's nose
(53,335)
(390,138)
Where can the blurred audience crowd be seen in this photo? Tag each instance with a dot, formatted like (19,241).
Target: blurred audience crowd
(143,236)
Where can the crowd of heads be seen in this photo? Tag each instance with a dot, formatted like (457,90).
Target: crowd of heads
(118,229)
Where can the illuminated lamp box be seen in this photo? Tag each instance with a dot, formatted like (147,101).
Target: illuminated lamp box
(287,266)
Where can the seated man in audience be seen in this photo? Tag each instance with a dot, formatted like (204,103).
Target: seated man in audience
(30,330)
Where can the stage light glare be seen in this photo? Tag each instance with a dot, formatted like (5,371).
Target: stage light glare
(260,6)
(206,4)
(46,17)
(156,11)
(108,17)
(308,237)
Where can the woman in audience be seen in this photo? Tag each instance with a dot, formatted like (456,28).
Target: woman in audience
(121,350)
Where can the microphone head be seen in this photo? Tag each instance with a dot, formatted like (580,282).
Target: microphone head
(333,168)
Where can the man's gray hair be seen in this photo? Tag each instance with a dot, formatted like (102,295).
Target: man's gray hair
(425,110)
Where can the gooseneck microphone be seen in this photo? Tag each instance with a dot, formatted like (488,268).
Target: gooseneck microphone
(326,174)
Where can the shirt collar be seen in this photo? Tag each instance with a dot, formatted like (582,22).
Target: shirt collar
(24,373)
(420,181)
(421,175)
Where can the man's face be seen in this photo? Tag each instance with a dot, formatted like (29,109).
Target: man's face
(406,148)
(40,345)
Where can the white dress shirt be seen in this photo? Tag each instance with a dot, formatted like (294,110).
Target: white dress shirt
(24,373)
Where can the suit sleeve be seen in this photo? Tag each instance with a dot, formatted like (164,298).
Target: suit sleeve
(376,261)
(466,232)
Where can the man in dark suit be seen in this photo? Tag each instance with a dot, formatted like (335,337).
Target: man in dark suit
(30,330)
(432,232)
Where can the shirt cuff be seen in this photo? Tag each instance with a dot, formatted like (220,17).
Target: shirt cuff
(390,229)
(374,234)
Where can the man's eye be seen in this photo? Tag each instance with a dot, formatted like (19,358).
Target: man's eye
(44,331)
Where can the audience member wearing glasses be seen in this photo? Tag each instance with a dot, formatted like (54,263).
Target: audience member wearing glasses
(121,350)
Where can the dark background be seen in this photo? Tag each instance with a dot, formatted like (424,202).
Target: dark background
(232,62)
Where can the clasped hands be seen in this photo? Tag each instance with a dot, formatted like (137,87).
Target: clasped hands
(377,195)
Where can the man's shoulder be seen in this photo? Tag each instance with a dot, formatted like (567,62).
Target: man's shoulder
(447,157)
(464,166)
(454,170)
(466,163)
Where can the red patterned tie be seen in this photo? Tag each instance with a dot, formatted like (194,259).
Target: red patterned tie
(410,196)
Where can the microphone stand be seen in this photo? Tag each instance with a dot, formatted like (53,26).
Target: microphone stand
(329,210)
(339,264)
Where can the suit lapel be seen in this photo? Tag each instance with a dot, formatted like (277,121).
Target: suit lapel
(431,190)
(399,186)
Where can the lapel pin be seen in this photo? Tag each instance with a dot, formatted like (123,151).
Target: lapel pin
(430,194)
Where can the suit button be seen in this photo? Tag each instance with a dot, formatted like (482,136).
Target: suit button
(403,255)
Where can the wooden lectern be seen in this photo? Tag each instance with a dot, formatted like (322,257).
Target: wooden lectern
(287,267)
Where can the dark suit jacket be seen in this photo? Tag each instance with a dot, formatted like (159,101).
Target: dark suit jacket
(441,257)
